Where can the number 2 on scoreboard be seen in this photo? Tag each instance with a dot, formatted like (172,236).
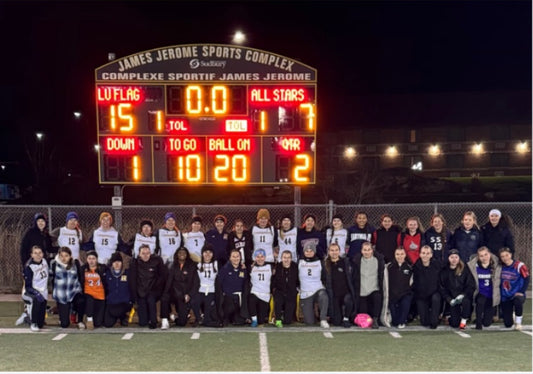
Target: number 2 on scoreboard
(303,167)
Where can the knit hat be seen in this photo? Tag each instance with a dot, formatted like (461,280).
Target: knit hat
(311,246)
(309,216)
(208,247)
(495,212)
(116,257)
(170,215)
(146,222)
(38,216)
(453,252)
(71,215)
(263,213)
(259,252)
(92,253)
(287,216)
(337,216)
(105,214)
(196,219)
(220,217)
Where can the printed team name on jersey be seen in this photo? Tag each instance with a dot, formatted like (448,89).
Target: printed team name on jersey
(359,236)
(311,265)
(89,275)
(484,276)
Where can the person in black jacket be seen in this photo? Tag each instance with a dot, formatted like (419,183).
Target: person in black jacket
(497,232)
(232,289)
(457,288)
(337,272)
(400,292)
(284,289)
(242,240)
(426,277)
(37,235)
(385,238)
(181,286)
(148,274)
(368,270)
(467,238)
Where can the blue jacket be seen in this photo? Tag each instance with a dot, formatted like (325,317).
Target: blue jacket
(467,243)
(317,237)
(117,287)
(220,245)
(357,236)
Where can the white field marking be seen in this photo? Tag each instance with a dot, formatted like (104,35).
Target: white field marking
(395,334)
(328,335)
(127,336)
(462,334)
(527,332)
(59,337)
(263,352)
(195,336)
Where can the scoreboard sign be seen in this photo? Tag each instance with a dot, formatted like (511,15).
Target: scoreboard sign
(206,114)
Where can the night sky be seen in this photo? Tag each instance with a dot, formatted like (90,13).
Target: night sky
(372,58)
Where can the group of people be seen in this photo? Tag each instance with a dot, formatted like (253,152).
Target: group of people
(272,272)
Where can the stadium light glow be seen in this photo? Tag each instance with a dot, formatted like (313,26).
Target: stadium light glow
(522,147)
(477,149)
(434,150)
(392,151)
(350,153)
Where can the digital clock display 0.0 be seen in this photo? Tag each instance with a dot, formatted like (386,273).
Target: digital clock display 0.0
(206,133)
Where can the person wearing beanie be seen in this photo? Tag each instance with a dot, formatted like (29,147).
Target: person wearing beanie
(265,236)
(118,297)
(37,235)
(457,288)
(194,240)
(145,236)
(92,283)
(312,289)
(241,239)
(69,235)
(487,274)
(259,298)
(287,234)
(309,234)
(497,232)
(218,238)
(105,240)
(169,239)
(385,238)
(338,234)
(359,233)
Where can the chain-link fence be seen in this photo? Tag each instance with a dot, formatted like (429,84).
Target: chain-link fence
(16,219)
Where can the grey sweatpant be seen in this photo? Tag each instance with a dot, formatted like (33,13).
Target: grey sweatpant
(308,306)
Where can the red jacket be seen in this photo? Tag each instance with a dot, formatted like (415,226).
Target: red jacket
(412,244)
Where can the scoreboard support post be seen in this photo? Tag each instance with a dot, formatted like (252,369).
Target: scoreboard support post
(116,205)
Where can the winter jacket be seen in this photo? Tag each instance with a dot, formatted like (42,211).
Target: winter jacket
(118,287)
(452,285)
(66,282)
(411,243)
(357,236)
(220,244)
(32,237)
(426,279)
(386,241)
(182,280)
(148,277)
(285,280)
(400,279)
(345,266)
(356,272)
(439,243)
(314,236)
(495,238)
(466,242)
(496,276)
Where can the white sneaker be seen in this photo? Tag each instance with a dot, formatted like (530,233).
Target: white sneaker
(81,325)
(164,324)
(324,324)
(21,319)
(34,327)
(172,317)
(518,326)
(401,326)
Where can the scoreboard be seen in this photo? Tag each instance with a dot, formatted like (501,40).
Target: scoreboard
(206,114)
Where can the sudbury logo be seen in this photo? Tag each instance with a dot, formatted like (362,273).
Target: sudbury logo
(196,63)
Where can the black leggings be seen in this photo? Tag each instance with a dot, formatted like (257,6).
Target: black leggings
(516,303)
(77,305)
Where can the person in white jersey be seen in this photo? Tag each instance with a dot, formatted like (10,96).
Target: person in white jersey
(259,298)
(35,292)
(194,240)
(105,240)
(265,236)
(69,236)
(145,236)
(204,300)
(338,234)
(287,237)
(169,239)
(312,288)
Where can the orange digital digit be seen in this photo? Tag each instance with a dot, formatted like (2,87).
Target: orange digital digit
(310,115)
(263,120)
(120,112)
(239,168)
(219,99)
(189,168)
(136,168)
(303,167)
(194,99)
(159,120)
(221,169)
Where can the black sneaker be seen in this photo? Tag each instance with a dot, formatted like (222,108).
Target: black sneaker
(375,324)
(124,322)
(346,324)
(152,325)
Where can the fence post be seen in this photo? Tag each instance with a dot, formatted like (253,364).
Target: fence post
(435,208)
(297,202)
(116,205)
(330,211)
(50,227)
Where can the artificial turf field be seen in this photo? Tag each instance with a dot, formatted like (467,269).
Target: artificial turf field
(262,349)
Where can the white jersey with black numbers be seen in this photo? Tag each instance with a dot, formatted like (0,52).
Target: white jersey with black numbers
(40,277)
(309,273)
(140,240)
(260,278)
(339,237)
(207,277)
(287,242)
(71,239)
(194,241)
(263,238)
(169,242)
(105,243)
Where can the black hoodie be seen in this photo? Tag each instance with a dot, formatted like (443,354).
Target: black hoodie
(34,236)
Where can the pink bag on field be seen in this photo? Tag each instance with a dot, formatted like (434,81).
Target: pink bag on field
(363,320)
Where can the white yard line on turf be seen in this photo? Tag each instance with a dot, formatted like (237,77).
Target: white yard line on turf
(195,336)
(59,337)
(328,335)
(395,334)
(263,352)
(527,332)
(127,336)
(462,334)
